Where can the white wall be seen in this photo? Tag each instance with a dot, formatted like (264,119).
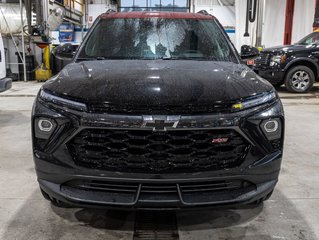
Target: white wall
(274,23)
(240,11)
(225,14)
(97,9)
(303,19)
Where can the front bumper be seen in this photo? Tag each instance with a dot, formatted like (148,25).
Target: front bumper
(5,84)
(165,193)
(255,178)
(274,75)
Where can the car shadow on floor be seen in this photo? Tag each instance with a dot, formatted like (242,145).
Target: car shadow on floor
(276,219)
(313,90)
(113,219)
(101,218)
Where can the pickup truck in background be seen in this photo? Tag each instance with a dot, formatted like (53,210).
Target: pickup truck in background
(296,66)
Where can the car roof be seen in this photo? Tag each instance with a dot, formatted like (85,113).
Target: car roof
(175,15)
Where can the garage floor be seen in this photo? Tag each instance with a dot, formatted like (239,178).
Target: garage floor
(292,212)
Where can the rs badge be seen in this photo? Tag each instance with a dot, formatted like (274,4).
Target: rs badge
(220,140)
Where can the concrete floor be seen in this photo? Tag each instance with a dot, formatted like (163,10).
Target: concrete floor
(292,212)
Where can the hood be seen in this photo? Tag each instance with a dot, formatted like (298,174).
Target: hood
(156,82)
(286,48)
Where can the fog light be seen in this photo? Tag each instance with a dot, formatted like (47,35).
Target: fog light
(271,126)
(45,125)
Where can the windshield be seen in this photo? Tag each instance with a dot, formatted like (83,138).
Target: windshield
(157,38)
(312,38)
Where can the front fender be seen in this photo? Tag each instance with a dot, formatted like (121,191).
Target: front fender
(302,60)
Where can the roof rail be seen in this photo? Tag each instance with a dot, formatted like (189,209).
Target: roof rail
(110,11)
(203,12)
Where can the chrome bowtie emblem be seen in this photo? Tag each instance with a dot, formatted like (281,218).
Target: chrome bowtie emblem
(160,123)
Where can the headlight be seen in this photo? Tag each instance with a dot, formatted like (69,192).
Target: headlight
(278,59)
(256,101)
(62,101)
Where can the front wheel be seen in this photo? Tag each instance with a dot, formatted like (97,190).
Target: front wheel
(299,79)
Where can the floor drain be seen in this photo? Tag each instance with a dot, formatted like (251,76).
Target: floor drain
(155,225)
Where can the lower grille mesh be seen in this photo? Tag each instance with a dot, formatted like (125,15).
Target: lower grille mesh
(145,151)
(150,194)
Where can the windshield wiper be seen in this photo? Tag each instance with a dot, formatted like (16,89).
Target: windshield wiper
(84,59)
(115,58)
(90,58)
(169,58)
(190,58)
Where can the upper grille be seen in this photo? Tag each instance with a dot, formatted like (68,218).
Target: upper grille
(263,59)
(145,151)
(159,109)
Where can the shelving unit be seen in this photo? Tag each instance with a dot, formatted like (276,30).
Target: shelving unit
(74,10)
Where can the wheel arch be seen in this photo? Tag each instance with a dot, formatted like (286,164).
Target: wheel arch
(304,62)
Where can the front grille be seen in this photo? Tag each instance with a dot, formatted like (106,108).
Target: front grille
(159,109)
(145,151)
(170,194)
(159,188)
(263,59)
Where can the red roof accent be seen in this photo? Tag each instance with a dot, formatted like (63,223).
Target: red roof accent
(178,15)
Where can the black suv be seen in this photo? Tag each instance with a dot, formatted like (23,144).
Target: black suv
(157,112)
(296,66)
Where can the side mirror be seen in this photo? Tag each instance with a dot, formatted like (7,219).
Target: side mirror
(248,52)
(64,52)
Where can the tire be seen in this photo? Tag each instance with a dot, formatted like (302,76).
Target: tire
(299,79)
(54,201)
